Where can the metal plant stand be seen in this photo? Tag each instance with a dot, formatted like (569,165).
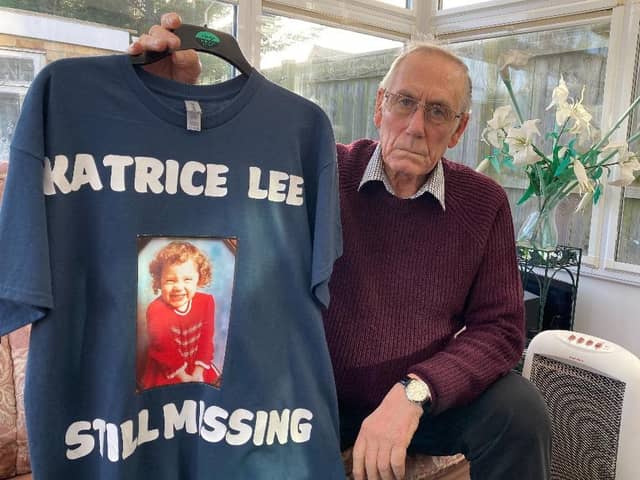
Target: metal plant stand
(544,266)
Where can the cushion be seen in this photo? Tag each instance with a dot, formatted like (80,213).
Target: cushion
(8,428)
(19,341)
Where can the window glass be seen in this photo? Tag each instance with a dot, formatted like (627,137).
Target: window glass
(135,15)
(459,3)
(338,69)
(579,54)
(223,17)
(9,110)
(628,247)
(398,3)
(17,70)
(628,241)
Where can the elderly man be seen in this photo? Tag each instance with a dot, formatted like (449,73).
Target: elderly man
(426,314)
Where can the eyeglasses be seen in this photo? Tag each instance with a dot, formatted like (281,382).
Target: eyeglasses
(404,106)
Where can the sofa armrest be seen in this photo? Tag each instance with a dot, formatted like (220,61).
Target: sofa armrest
(8,412)
(14,455)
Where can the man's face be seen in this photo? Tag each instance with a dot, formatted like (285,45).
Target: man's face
(178,283)
(410,146)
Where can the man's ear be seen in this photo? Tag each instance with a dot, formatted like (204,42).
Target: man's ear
(462,125)
(377,114)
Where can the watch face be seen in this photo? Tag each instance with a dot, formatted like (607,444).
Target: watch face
(417,391)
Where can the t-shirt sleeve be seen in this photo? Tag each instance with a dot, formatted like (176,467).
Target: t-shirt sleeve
(25,277)
(327,228)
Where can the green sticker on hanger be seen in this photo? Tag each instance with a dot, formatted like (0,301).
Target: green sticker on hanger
(207,39)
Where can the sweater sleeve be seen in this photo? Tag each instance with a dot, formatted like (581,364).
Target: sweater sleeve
(493,339)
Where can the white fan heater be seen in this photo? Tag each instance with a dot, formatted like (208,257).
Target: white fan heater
(592,390)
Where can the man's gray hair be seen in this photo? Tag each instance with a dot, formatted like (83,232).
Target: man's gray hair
(432,48)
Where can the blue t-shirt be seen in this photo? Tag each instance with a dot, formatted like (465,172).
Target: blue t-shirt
(104,180)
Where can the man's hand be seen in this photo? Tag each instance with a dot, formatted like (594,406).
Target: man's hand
(380,450)
(183,66)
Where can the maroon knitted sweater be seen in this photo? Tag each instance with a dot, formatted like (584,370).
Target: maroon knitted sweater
(411,276)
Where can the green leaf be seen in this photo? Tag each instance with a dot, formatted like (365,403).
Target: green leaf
(534,180)
(597,173)
(508,162)
(596,194)
(495,163)
(554,157)
(562,166)
(589,158)
(527,194)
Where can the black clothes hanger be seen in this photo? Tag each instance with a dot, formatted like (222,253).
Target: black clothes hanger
(205,40)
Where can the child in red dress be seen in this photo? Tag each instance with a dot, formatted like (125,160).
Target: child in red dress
(180,321)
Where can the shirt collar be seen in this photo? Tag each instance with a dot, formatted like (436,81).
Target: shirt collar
(434,184)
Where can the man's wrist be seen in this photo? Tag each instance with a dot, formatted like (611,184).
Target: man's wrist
(417,391)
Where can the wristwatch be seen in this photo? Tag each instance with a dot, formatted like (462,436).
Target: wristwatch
(417,392)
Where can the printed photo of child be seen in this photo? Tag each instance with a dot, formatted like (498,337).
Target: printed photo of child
(180,320)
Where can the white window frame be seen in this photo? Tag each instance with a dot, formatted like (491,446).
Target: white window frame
(20,88)
(17,87)
(36,56)
(621,76)
(501,13)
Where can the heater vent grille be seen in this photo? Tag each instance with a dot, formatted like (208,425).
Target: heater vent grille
(586,410)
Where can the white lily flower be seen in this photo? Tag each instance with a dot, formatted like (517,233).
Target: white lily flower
(572,110)
(512,58)
(622,173)
(519,140)
(621,176)
(563,112)
(503,118)
(560,94)
(621,148)
(632,162)
(626,158)
(493,137)
(582,120)
(573,138)
(581,174)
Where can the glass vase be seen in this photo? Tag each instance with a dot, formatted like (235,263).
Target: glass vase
(539,230)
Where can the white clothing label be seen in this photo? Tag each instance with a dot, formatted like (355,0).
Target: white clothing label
(194,115)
